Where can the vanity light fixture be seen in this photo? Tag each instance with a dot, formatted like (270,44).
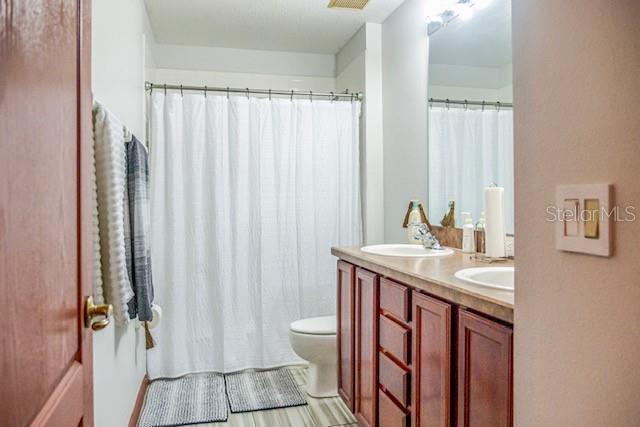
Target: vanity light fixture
(441,12)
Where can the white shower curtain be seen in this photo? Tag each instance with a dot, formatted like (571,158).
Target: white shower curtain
(468,151)
(248,196)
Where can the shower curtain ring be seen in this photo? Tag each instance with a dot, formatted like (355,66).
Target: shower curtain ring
(205,91)
(446,103)
(247,90)
(483,105)
(181,93)
(165,89)
(498,106)
(227,92)
(269,94)
(332,97)
(310,96)
(291,97)
(466,105)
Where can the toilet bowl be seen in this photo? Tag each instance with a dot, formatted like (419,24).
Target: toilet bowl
(314,340)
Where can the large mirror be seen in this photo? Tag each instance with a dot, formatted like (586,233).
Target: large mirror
(470,111)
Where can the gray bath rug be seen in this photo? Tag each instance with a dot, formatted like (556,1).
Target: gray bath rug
(253,391)
(192,399)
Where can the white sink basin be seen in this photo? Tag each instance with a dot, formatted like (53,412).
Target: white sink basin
(490,277)
(410,251)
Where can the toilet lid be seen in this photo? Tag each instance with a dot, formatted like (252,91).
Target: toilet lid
(325,325)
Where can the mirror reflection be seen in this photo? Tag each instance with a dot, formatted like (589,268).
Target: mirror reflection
(470,108)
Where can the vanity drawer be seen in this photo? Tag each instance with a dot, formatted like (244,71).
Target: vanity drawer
(394,379)
(394,299)
(394,339)
(390,414)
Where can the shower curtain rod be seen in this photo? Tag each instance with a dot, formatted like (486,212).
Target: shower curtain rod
(467,102)
(149,87)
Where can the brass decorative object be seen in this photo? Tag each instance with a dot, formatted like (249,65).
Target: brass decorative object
(423,216)
(449,220)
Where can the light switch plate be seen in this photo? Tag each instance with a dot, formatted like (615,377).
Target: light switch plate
(578,231)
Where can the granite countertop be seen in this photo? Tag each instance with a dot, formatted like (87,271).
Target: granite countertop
(436,276)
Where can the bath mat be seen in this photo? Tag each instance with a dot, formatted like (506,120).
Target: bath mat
(192,399)
(253,391)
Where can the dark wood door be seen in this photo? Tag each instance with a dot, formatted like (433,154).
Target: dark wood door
(367,295)
(45,216)
(432,358)
(346,332)
(485,372)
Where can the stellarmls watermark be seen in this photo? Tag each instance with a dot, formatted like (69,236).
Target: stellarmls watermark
(616,213)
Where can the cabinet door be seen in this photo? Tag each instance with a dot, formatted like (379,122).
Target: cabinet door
(485,372)
(346,332)
(366,347)
(431,396)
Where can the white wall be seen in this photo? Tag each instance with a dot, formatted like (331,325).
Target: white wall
(118,73)
(404,77)
(472,83)
(243,60)
(359,69)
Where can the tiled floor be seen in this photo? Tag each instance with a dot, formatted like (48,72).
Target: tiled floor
(328,412)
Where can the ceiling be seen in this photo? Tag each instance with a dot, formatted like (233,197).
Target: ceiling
(283,25)
(483,40)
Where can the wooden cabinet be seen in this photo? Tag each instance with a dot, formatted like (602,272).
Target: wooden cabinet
(346,319)
(485,372)
(366,404)
(406,357)
(432,359)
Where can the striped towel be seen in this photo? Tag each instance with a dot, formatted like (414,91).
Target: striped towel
(109,150)
(137,223)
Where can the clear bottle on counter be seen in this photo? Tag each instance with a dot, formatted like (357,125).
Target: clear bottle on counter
(414,219)
(480,236)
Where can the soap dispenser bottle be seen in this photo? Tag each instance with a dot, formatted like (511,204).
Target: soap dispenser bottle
(468,236)
(414,219)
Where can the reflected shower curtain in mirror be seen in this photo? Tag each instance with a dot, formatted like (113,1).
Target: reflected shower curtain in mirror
(248,196)
(468,151)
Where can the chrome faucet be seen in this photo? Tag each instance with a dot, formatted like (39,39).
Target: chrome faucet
(429,241)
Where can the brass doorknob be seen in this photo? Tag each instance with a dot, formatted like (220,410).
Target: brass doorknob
(92,311)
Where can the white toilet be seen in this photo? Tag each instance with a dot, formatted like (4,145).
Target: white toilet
(314,340)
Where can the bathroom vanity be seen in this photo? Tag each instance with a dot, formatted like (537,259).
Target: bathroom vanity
(418,346)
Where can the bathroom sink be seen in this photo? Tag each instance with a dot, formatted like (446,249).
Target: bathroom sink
(411,251)
(490,277)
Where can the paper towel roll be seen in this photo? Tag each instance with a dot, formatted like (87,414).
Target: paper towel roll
(156,310)
(494,227)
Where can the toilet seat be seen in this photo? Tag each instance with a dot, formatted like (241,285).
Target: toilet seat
(323,325)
